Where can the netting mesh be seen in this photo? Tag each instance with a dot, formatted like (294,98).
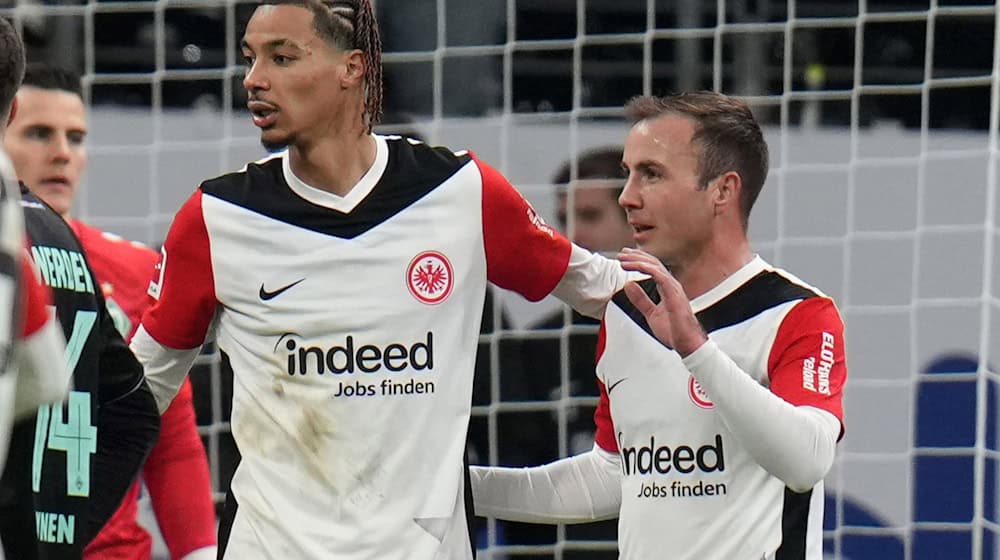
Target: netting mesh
(882,121)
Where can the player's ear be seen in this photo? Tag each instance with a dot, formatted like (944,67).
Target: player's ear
(727,190)
(354,69)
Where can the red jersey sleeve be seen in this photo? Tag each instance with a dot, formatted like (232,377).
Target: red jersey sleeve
(522,253)
(604,434)
(807,365)
(176,474)
(183,284)
(36,299)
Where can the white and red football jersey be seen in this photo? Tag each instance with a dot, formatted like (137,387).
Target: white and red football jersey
(689,489)
(351,326)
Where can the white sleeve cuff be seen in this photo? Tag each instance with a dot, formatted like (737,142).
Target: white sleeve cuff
(165,368)
(590,282)
(578,489)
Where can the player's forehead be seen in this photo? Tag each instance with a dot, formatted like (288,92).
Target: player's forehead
(664,140)
(52,107)
(284,25)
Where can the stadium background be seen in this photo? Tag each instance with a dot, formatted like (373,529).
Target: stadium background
(882,117)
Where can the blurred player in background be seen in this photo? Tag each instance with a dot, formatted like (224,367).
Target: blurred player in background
(70,465)
(46,143)
(344,278)
(598,224)
(720,376)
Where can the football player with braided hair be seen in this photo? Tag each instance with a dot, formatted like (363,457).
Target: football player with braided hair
(343,279)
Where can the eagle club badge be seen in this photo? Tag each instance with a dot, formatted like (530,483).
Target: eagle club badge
(430,277)
(698,395)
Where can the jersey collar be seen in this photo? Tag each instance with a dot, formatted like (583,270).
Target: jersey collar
(726,287)
(329,200)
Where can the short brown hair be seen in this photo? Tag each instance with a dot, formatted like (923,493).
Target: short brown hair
(729,136)
(11,65)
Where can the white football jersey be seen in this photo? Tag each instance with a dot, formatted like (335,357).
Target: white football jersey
(351,325)
(689,489)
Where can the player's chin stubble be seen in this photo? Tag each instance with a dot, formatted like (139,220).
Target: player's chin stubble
(274,145)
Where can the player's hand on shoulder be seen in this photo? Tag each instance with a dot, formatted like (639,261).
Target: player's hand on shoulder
(671,320)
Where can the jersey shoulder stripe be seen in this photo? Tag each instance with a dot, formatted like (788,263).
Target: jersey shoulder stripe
(412,171)
(766,290)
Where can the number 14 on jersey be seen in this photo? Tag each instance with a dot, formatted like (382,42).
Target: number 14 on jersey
(76,434)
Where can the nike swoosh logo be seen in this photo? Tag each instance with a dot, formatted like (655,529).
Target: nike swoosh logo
(266,295)
(615,384)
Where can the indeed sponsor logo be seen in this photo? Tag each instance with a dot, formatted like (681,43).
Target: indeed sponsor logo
(662,459)
(352,356)
(684,459)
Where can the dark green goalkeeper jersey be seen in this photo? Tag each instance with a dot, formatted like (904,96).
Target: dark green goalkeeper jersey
(70,466)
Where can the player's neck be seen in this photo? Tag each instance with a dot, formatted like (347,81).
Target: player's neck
(713,264)
(335,163)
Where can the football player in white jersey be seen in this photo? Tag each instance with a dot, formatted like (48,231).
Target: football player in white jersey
(720,375)
(343,279)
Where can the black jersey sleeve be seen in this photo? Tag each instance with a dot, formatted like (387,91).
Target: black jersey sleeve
(127,430)
(128,424)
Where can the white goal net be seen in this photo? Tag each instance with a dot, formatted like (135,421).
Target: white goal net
(882,119)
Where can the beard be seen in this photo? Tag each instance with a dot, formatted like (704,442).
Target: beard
(275,144)
(273,147)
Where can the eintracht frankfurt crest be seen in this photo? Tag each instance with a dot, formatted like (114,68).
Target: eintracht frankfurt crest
(698,395)
(430,277)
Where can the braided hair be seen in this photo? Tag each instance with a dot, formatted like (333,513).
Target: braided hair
(351,24)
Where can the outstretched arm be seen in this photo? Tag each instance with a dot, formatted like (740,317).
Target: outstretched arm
(578,489)
(175,327)
(527,256)
(590,281)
